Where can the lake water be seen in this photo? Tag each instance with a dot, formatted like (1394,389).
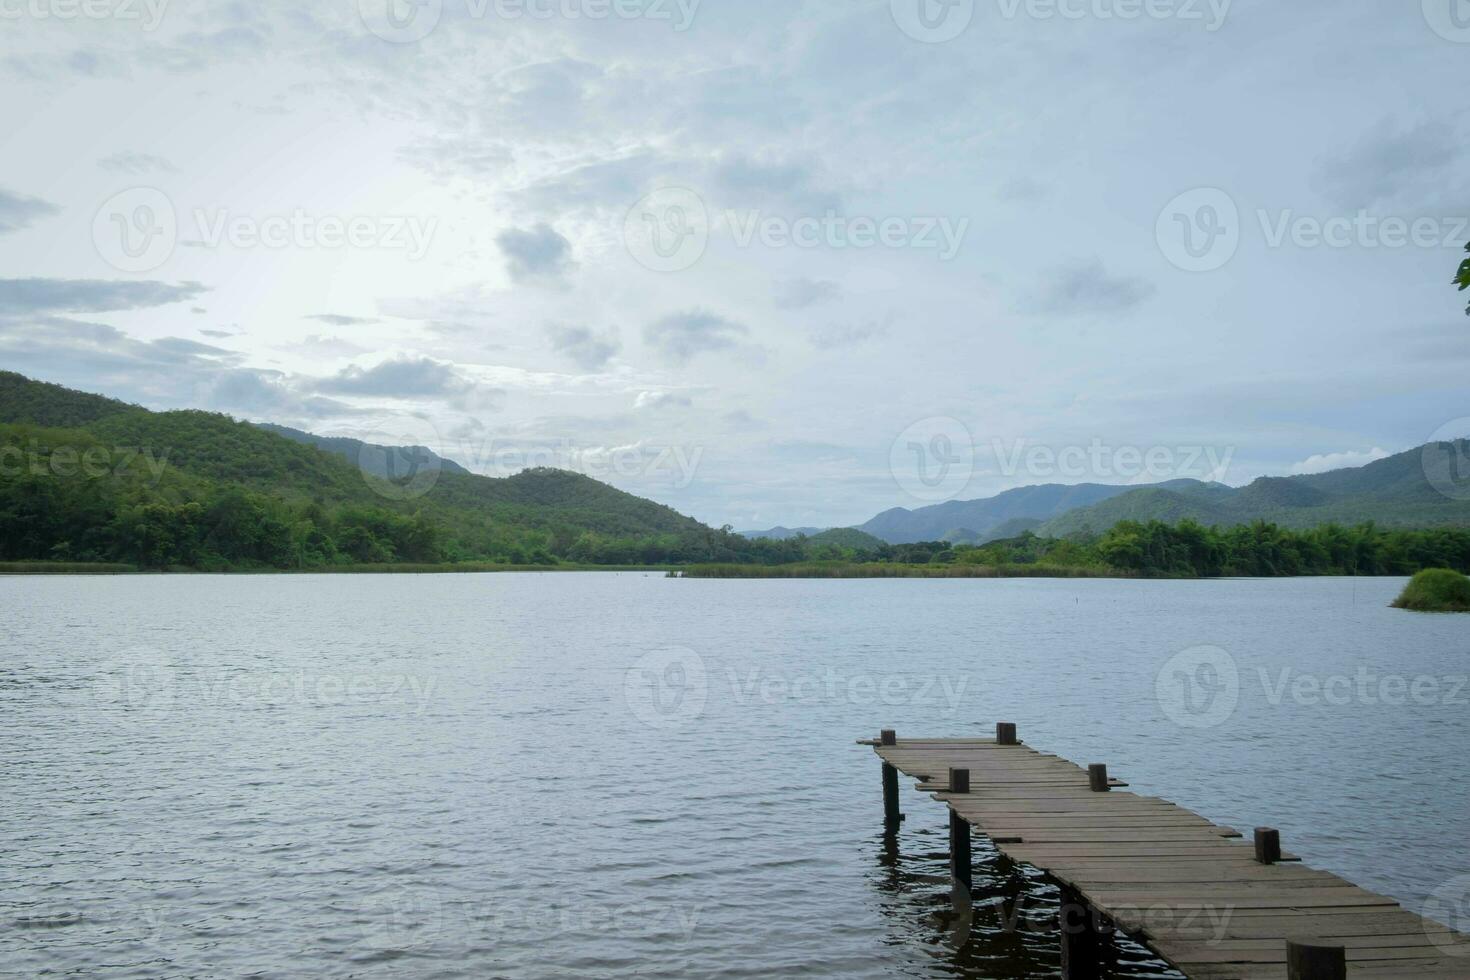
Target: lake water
(609,775)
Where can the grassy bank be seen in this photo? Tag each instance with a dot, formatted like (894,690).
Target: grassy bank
(876,570)
(64,568)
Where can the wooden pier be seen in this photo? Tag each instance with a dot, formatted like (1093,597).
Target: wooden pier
(1208,903)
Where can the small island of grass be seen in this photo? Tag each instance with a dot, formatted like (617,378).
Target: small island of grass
(1436,590)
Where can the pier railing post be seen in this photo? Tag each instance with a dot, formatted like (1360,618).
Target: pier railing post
(961,866)
(1309,961)
(1268,845)
(1082,938)
(1097,778)
(1005,733)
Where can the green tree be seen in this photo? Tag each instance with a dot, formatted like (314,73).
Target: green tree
(1463,279)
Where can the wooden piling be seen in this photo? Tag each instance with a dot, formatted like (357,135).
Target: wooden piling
(891,815)
(961,866)
(1313,961)
(1005,733)
(1097,778)
(1081,939)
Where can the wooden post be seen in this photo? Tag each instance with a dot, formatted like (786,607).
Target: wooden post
(1268,845)
(888,737)
(1097,777)
(1308,961)
(891,817)
(959,780)
(960,866)
(1005,733)
(1081,939)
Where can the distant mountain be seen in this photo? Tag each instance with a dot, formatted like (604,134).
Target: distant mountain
(978,521)
(845,538)
(387,462)
(199,489)
(782,533)
(1399,491)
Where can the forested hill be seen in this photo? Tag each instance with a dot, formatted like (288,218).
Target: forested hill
(1422,488)
(87,478)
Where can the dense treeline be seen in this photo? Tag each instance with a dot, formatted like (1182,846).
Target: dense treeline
(217,499)
(1189,549)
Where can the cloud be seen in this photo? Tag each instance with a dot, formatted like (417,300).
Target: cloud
(583,347)
(850,334)
(17,211)
(537,254)
(682,336)
(338,320)
(219,334)
(1326,462)
(798,294)
(319,345)
(1391,163)
(42,296)
(661,399)
(407,377)
(136,164)
(1086,287)
(757,184)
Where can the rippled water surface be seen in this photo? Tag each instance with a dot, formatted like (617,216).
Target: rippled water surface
(610,775)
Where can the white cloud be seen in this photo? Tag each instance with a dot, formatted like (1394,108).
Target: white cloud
(1326,462)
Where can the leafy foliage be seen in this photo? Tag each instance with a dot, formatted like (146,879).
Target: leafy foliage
(1436,590)
(1463,279)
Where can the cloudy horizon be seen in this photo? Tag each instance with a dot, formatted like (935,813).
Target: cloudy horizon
(768,262)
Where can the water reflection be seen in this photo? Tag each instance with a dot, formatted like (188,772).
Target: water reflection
(1004,929)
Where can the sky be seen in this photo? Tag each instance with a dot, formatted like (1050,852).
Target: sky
(771,262)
